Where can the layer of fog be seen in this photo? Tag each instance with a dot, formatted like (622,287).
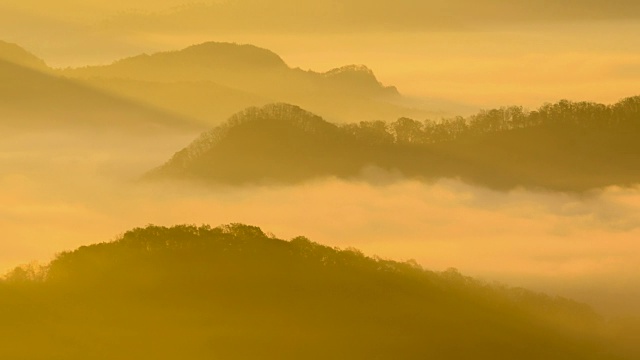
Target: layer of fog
(62,191)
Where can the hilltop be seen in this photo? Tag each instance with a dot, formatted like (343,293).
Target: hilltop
(566,146)
(235,292)
(277,142)
(203,62)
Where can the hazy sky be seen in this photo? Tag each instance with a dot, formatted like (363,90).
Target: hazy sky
(486,53)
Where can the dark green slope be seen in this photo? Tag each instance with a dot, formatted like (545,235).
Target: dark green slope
(559,147)
(233,292)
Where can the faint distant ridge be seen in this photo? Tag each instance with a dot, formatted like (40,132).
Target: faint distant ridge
(566,146)
(358,76)
(213,55)
(213,80)
(33,98)
(236,65)
(14,54)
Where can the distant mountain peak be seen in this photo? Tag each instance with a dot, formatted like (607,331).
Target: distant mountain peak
(15,54)
(249,54)
(220,55)
(353,68)
(357,75)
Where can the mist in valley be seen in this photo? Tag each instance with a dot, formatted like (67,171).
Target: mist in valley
(61,191)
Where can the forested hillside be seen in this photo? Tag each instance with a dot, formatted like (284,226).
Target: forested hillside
(566,146)
(234,292)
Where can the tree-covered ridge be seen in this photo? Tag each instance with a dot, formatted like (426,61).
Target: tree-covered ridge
(282,114)
(621,116)
(235,292)
(566,146)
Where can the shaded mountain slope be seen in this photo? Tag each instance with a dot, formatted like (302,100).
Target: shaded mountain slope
(275,143)
(205,62)
(32,99)
(547,158)
(349,92)
(233,292)
(15,54)
(205,101)
(545,149)
(245,67)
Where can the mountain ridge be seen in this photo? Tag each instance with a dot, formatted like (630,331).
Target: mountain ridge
(201,291)
(290,114)
(211,81)
(207,55)
(568,147)
(254,76)
(215,56)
